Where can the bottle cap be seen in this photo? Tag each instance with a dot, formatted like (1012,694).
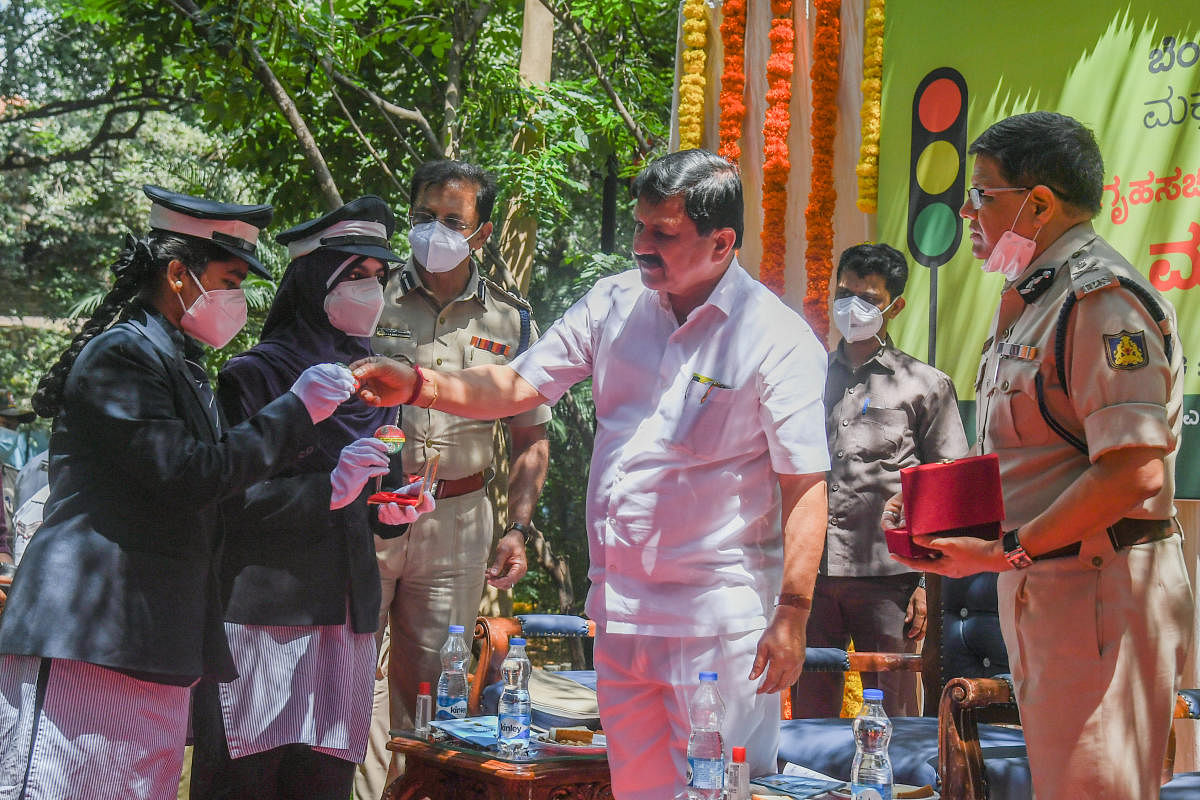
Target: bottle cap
(873,694)
(739,755)
(423,688)
(457,628)
(516,641)
(708,676)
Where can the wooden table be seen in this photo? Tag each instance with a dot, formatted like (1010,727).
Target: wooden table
(452,770)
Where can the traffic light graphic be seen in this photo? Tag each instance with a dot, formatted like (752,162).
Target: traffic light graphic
(937,168)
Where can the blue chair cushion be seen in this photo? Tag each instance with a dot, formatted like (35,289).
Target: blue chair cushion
(1184,786)
(827,746)
(559,699)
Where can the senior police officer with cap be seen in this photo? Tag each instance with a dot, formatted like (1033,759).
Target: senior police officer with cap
(442,313)
(1079,394)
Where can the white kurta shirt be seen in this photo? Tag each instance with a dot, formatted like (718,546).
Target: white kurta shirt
(694,423)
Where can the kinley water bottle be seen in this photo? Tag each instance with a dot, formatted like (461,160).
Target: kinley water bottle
(871,772)
(706,748)
(452,683)
(514,709)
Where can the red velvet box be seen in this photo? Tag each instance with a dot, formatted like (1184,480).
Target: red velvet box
(953,498)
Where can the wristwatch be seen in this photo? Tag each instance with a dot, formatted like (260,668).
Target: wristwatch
(526,530)
(1014,553)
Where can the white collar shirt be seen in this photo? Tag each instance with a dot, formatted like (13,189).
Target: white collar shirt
(694,423)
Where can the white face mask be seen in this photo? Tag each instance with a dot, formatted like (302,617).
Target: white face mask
(216,316)
(437,248)
(1013,253)
(856,319)
(354,307)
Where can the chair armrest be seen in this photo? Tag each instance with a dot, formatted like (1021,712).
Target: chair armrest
(491,634)
(960,758)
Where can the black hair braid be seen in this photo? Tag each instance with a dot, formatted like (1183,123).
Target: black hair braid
(133,266)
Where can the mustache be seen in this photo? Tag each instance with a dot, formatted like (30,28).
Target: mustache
(648,260)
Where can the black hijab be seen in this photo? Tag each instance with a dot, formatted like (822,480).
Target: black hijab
(297,335)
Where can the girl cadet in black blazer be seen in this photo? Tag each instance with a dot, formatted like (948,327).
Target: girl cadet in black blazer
(114,612)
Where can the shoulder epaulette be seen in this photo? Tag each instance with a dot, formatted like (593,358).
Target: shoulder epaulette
(1087,273)
(509,296)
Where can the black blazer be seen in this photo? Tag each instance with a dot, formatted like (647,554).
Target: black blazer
(289,559)
(122,571)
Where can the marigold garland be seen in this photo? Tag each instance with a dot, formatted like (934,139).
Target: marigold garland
(822,196)
(872,90)
(733,79)
(776,165)
(691,82)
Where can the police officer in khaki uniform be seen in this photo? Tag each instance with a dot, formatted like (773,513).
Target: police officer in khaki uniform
(441,313)
(1079,394)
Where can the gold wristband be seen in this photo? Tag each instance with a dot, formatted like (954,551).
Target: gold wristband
(795,601)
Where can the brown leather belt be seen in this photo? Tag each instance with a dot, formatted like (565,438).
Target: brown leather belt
(1124,533)
(458,486)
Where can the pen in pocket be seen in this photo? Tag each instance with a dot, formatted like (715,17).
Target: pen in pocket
(866,403)
(709,383)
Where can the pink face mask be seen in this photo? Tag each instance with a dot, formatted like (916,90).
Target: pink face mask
(216,316)
(1013,253)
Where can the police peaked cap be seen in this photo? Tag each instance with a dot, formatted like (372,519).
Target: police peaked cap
(9,408)
(361,227)
(230,226)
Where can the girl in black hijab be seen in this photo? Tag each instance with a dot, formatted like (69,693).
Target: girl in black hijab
(299,573)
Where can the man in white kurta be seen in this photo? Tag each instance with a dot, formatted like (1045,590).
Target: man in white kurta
(710,433)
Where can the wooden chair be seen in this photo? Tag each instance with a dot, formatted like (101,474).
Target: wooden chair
(963,637)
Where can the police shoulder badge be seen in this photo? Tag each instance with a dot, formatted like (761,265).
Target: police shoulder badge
(1125,350)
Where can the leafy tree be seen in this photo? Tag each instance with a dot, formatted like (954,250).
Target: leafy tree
(303,104)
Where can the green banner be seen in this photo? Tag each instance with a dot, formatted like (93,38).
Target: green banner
(1129,71)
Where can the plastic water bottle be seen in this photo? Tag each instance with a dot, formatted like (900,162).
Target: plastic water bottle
(706,748)
(514,709)
(871,772)
(452,683)
(423,711)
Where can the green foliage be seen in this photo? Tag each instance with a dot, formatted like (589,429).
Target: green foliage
(190,93)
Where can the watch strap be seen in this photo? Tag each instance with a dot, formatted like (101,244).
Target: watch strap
(1014,552)
(526,530)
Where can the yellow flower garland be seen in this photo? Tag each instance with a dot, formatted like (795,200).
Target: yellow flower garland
(691,82)
(872,89)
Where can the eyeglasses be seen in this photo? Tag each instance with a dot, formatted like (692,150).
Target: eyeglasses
(453,223)
(976,194)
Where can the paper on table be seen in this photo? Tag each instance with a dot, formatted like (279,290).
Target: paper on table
(804,772)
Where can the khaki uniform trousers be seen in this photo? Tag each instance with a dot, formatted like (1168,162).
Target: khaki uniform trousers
(432,577)
(1096,655)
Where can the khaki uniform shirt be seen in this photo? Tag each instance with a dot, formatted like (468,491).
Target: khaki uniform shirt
(1121,389)
(894,411)
(480,326)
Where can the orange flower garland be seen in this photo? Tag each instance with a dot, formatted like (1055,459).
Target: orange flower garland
(822,196)
(691,82)
(733,79)
(872,89)
(775,146)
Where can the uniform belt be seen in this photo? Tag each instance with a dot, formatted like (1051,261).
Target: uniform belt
(458,486)
(1123,533)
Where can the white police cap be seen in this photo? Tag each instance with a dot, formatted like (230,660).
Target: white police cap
(230,226)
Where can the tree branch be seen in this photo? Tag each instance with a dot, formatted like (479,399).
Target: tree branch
(19,158)
(563,15)
(454,65)
(408,114)
(263,73)
(366,141)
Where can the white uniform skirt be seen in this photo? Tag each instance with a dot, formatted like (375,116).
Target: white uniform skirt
(69,729)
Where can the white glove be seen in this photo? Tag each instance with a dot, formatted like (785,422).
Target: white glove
(396,514)
(359,461)
(322,388)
